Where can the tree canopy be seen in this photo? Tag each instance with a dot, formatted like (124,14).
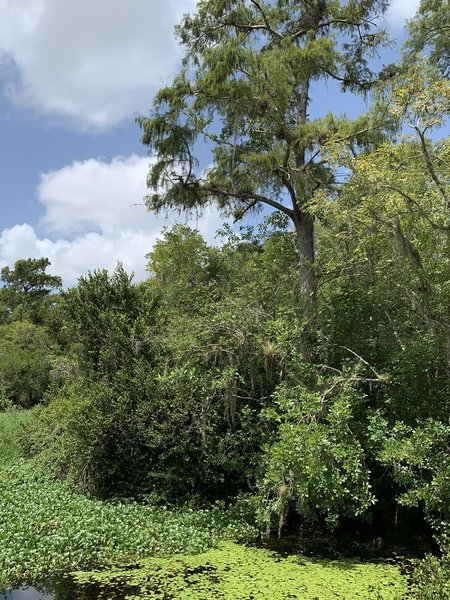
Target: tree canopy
(26,289)
(251,72)
(195,385)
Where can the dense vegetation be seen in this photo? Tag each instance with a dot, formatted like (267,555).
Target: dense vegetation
(48,527)
(311,378)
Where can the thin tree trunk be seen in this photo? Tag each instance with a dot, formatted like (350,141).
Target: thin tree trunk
(448,306)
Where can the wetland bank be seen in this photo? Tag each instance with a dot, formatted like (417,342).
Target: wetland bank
(51,533)
(294,374)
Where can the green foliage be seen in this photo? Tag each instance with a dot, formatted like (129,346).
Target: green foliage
(29,277)
(27,289)
(96,423)
(181,262)
(12,424)
(420,462)
(233,571)
(385,296)
(26,352)
(95,435)
(107,317)
(173,371)
(220,362)
(5,403)
(46,527)
(429,33)
(318,462)
(431,579)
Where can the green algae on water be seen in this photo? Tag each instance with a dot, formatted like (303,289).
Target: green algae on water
(236,572)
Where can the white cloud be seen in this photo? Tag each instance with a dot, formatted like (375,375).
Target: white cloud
(399,11)
(96,62)
(95,194)
(73,258)
(99,62)
(94,213)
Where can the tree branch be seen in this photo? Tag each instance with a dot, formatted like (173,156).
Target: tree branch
(266,20)
(430,167)
(250,197)
(410,199)
(246,209)
(379,377)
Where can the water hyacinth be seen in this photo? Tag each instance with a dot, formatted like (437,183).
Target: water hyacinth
(47,527)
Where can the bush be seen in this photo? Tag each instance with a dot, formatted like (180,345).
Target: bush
(432,578)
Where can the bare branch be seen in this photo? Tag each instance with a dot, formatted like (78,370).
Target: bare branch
(249,197)
(379,377)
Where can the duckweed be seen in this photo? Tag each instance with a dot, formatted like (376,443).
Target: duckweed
(236,572)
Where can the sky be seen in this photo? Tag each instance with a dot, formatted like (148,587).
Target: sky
(73,77)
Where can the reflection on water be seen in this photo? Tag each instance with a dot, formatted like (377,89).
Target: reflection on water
(64,588)
(28,593)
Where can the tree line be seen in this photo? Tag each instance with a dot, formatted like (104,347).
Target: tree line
(305,360)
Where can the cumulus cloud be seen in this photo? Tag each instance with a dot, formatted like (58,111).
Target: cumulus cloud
(94,194)
(96,62)
(72,258)
(399,11)
(94,217)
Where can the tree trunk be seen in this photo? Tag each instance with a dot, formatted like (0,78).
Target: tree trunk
(304,228)
(448,307)
(304,223)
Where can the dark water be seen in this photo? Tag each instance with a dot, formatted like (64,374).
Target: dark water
(27,593)
(321,545)
(310,543)
(64,588)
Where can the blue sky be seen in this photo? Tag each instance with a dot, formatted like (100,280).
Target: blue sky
(73,76)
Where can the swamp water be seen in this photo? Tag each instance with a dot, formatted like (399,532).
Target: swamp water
(231,572)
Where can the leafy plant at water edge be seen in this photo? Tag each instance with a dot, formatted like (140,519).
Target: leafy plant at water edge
(46,527)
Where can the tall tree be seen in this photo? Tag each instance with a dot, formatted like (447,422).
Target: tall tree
(249,76)
(26,353)
(27,287)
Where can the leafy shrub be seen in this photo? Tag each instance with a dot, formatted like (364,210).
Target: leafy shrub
(317,463)
(419,460)
(432,578)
